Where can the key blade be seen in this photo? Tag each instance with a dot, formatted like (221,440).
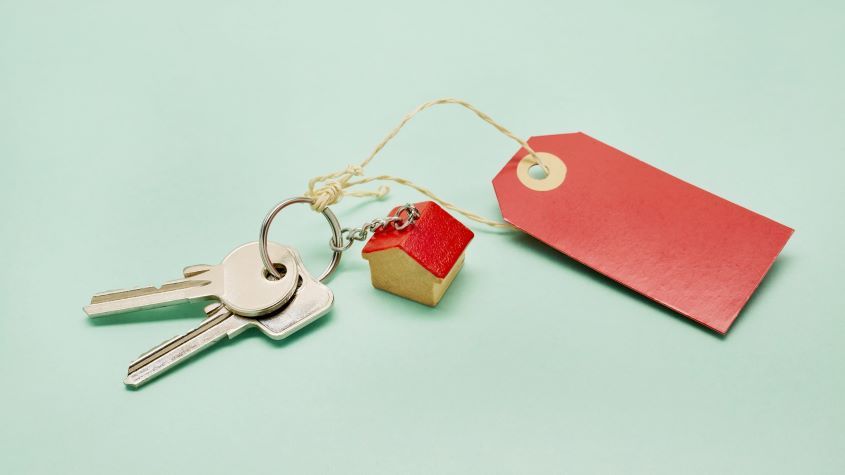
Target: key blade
(220,323)
(143,291)
(171,293)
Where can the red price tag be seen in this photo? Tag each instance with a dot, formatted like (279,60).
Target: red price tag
(673,242)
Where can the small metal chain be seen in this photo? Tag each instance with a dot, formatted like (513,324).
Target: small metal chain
(403,217)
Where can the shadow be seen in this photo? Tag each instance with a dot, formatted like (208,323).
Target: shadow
(559,258)
(404,307)
(187,310)
(778,267)
(249,333)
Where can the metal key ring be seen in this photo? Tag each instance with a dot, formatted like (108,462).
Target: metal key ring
(265,230)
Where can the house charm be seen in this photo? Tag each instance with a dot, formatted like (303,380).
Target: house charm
(420,261)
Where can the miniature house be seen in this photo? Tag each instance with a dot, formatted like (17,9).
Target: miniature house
(420,261)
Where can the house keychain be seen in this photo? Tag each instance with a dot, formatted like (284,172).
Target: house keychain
(677,244)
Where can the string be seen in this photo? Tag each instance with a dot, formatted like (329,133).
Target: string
(328,189)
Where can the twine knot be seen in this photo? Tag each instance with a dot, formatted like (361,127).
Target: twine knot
(333,187)
(354,170)
(328,194)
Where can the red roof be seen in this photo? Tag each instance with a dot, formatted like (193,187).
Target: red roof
(436,240)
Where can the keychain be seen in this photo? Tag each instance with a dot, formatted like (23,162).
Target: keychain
(677,244)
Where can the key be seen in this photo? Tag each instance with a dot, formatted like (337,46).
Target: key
(240,282)
(311,301)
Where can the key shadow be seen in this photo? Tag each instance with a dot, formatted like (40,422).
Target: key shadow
(172,312)
(553,255)
(227,342)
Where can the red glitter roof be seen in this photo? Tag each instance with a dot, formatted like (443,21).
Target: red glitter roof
(436,240)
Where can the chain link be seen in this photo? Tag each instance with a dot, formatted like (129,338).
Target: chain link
(403,217)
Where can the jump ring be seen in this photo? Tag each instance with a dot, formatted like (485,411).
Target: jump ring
(265,230)
(412,214)
(343,247)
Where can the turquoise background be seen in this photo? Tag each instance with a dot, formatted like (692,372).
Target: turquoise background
(140,137)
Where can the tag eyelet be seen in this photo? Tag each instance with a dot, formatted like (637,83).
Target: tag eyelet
(555,177)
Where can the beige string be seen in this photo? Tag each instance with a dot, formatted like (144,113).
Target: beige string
(327,190)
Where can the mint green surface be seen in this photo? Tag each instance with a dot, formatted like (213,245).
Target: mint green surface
(140,137)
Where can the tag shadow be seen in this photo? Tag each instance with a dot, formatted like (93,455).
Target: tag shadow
(551,254)
(778,267)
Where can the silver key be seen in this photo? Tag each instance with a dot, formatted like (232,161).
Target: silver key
(311,301)
(240,283)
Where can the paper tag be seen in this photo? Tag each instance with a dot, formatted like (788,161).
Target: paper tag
(673,242)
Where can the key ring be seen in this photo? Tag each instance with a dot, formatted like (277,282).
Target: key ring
(265,230)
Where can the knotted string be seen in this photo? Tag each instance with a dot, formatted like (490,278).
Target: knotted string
(327,190)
